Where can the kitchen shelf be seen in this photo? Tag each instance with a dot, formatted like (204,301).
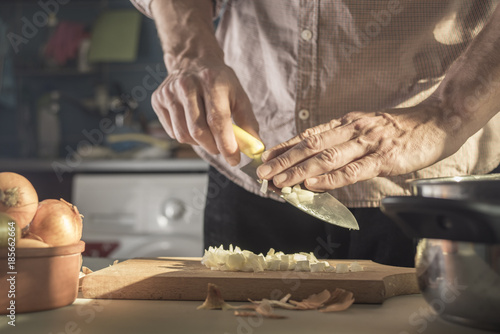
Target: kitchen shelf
(107,166)
(53,72)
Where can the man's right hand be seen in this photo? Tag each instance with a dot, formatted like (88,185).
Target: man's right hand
(195,106)
(201,95)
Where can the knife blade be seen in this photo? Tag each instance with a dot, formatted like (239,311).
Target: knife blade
(323,205)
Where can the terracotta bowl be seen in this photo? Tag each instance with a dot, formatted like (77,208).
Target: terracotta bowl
(45,278)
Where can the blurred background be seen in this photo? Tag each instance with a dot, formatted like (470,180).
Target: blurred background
(76,79)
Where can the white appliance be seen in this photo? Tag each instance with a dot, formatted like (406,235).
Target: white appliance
(141,215)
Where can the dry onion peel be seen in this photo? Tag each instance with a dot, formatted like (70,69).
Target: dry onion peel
(314,301)
(341,300)
(325,301)
(214,300)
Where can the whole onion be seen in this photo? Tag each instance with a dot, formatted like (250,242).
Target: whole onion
(57,222)
(18,198)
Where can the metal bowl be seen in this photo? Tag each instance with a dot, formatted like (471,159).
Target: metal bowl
(458,255)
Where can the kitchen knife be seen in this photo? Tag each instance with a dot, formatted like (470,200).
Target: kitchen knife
(323,205)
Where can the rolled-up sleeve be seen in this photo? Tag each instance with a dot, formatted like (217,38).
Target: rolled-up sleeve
(144,6)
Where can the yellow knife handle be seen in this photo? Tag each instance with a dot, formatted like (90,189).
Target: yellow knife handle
(248,144)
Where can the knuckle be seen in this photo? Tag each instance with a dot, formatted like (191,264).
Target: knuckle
(330,156)
(215,121)
(334,123)
(198,133)
(208,75)
(182,136)
(308,133)
(184,85)
(329,179)
(282,161)
(352,172)
(313,143)
(298,172)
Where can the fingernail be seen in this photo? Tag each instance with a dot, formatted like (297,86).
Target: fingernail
(311,181)
(264,156)
(263,170)
(280,178)
(233,162)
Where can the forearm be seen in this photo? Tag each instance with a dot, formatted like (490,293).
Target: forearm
(186,32)
(470,93)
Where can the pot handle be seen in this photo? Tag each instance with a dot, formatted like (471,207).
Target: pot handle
(449,219)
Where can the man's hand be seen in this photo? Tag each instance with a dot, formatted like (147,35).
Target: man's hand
(360,146)
(201,94)
(363,145)
(195,106)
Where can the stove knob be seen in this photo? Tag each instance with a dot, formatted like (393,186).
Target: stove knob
(174,209)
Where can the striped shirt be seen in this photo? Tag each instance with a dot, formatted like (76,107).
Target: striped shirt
(305,62)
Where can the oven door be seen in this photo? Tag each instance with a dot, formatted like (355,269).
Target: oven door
(141,215)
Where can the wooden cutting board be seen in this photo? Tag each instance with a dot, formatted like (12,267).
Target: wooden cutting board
(187,279)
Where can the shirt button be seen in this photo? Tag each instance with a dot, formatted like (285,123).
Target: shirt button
(304,114)
(306,34)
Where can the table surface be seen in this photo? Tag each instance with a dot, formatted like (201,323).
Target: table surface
(398,315)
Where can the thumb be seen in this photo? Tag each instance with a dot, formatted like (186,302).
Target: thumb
(244,117)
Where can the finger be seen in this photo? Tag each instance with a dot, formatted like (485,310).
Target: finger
(196,119)
(363,169)
(325,161)
(243,115)
(158,104)
(285,146)
(218,115)
(305,149)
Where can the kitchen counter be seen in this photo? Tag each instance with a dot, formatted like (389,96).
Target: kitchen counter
(398,315)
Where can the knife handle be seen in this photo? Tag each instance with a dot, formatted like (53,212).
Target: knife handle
(247,143)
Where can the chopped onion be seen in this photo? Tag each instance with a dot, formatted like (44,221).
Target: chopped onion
(342,268)
(293,198)
(296,195)
(305,196)
(355,266)
(263,187)
(235,259)
(286,190)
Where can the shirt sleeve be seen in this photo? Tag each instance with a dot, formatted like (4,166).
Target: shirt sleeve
(144,6)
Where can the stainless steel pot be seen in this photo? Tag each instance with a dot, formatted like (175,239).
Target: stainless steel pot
(458,256)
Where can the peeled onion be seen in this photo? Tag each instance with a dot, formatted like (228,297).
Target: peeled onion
(57,222)
(18,198)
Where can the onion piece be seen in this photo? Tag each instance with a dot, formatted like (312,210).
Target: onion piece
(263,187)
(342,268)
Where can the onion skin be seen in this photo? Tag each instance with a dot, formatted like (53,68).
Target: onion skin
(18,198)
(57,223)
